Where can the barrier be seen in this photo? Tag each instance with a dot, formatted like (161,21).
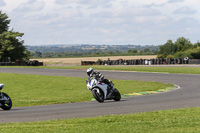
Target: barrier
(34,63)
(157,61)
(22,63)
(88,63)
(194,61)
(7,64)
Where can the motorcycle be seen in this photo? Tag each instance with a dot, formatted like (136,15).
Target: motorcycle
(101,91)
(5,100)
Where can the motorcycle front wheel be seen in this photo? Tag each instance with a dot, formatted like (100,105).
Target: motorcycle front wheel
(116,95)
(7,105)
(98,95)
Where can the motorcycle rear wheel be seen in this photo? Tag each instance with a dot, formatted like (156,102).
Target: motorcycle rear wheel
(98,96)
(7,105)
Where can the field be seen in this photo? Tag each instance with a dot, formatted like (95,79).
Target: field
(77,61)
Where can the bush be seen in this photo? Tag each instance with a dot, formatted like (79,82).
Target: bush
(170,56)
(182,54)
(194,53)
(160,56)
(191,53)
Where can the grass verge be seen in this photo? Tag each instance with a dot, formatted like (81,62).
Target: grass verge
(31,90)
(179,70)
(170,121)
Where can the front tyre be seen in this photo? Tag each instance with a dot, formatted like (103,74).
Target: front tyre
(116,95)
(98,95)
(6,105)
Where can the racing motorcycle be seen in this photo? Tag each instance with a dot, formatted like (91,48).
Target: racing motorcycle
(5,100)
(101,91)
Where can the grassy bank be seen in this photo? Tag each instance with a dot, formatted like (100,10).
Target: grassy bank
(178,70)
(170,121)
(30,90)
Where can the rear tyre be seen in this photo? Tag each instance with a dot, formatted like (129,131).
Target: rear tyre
(98,95)
(7,105)
(116,95)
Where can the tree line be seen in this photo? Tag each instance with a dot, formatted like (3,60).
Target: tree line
(37,54)
(182,47)
(61,51)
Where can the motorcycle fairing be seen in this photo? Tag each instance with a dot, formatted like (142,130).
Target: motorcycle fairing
(1,86)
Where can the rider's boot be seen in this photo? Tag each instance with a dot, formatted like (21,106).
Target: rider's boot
(109,88)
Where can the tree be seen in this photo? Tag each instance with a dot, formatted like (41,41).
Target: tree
(132,51)
(183,44)
(167,49)
(194,53)
(11,44)
(4,22)
(197,44)
(146,50)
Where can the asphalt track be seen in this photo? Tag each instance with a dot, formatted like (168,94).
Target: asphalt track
(187,96)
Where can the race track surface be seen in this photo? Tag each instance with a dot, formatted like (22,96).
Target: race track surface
(187,96)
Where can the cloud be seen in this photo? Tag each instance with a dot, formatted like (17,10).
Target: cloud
(2,3)
(135,11)
(31,5)
(102,21)
(174,1)
(89,3)
(102,14)
(154,5)
(86,2)
(65,2)
(185,10)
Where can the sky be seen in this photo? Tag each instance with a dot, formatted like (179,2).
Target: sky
(110,22)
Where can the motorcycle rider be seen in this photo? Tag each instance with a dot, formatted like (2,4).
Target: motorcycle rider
(99,77)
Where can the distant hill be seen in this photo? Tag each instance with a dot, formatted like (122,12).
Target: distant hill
(89,48)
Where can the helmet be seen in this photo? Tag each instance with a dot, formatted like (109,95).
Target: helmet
(90,71)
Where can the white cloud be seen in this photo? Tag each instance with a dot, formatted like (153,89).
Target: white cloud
(83,2)
(31,5)
(174,1)
(185,10)
(2,3)
(103,21)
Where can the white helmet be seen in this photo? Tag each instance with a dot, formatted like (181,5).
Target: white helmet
(90,71)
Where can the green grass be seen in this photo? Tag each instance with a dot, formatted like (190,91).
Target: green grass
(31,90)
(170,121)
(179,70)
